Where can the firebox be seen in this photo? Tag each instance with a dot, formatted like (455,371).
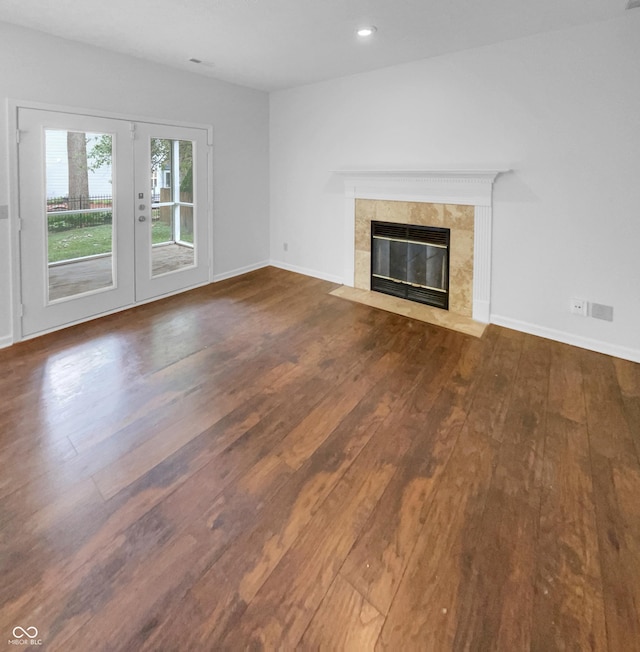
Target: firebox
(411,262)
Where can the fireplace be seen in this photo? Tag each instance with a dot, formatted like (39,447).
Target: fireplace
(457,199)
(411,262)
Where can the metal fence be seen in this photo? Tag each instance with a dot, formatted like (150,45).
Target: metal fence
(88,202)
(67,213)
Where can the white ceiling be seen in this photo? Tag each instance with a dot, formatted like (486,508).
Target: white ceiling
(274,44)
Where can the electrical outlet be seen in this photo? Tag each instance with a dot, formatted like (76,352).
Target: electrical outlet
(578,307)
(285,246)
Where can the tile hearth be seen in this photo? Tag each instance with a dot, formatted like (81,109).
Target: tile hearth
(412,310)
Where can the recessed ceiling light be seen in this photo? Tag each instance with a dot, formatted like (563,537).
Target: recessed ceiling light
(367,31)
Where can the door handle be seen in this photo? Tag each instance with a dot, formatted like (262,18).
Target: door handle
(142,218)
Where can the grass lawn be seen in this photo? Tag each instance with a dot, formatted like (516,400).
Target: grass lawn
(91,240)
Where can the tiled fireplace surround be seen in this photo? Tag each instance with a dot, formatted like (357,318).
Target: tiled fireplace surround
(460,200)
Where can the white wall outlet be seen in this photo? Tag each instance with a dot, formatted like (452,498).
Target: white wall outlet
(285,246)
(578,307)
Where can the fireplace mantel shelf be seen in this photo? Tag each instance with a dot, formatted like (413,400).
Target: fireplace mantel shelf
(471,187)
(484,174)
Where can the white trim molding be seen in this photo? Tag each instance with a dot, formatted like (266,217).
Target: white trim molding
(305,271)
(223,276)
(6,341)
(588,343)
(465,187)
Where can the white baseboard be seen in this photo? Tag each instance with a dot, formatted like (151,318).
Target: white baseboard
(306,272)
(240,270)
(568,338)
(6,341)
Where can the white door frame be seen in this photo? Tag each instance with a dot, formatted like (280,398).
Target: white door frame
(13,107)
(148,285)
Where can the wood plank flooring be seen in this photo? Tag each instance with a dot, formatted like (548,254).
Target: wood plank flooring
(259,465)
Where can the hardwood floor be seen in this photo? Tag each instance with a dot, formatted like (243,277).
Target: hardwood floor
(259,465)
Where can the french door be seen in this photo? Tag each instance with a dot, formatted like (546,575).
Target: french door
(112,213)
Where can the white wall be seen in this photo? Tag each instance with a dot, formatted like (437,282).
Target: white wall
(41,68)
(561,109)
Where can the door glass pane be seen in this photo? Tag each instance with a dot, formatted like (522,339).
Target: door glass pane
(436,267)
(398,260)
(172,208)
(79,212)
(417,263)
(381,257)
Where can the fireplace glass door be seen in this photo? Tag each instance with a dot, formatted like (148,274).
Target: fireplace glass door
(411,262)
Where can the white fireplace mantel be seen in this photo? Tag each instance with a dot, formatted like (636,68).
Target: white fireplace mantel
(466,187)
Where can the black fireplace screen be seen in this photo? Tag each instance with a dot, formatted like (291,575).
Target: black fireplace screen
(411,262)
